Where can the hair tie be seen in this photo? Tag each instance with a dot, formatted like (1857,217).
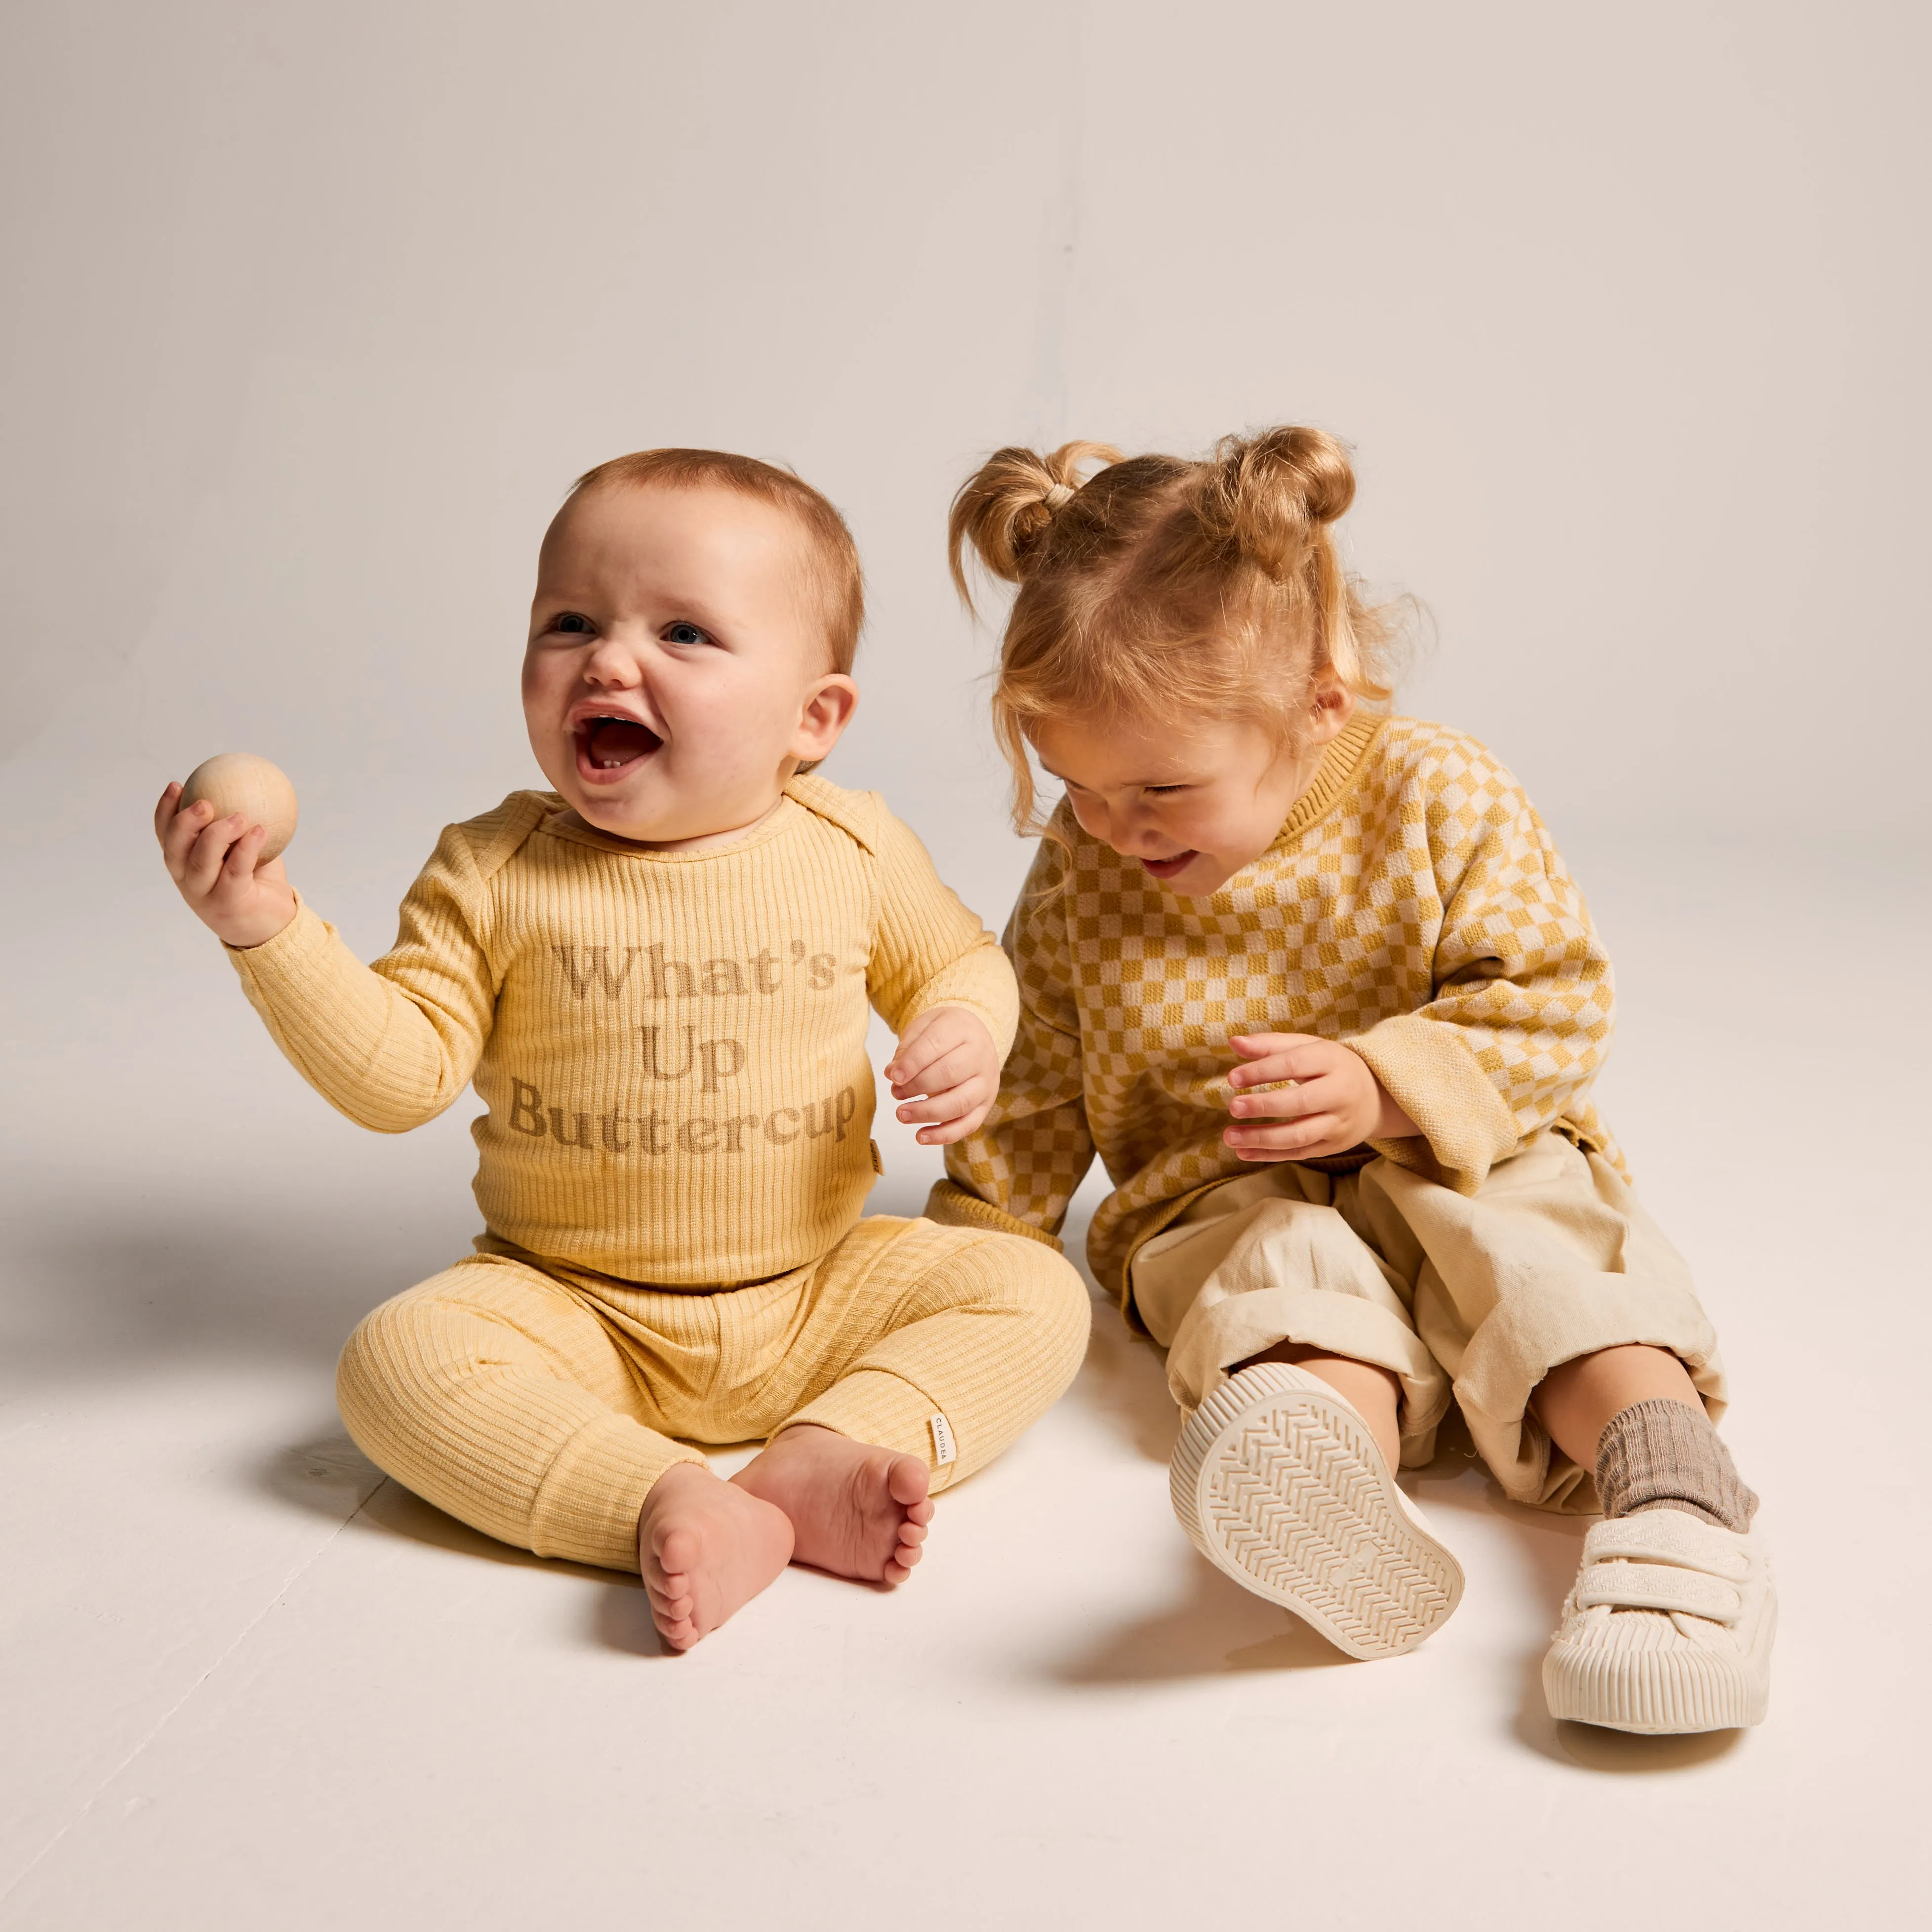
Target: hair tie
(1060,493)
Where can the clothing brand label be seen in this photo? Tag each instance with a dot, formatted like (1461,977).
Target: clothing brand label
(943,1449)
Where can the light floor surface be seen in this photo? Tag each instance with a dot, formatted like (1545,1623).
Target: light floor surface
(247,1682)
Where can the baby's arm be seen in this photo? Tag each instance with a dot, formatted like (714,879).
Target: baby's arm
(947,1056)
(1019,1170)
(390,1046)
(216,864)
(941,982)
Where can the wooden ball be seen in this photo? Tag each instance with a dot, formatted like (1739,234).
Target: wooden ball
(235,781)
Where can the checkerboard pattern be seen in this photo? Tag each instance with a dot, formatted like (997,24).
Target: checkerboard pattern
(1413,878)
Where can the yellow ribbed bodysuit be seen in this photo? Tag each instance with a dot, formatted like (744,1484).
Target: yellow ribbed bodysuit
(671,1049)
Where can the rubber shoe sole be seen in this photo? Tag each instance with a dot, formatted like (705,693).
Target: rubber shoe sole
(1278,1481)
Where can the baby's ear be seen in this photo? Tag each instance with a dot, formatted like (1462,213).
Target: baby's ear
(828,709)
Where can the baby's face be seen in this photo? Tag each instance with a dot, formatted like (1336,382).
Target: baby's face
(677,670)
(1195,803)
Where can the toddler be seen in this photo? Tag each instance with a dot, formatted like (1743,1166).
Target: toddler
(658,976)
(1316,986)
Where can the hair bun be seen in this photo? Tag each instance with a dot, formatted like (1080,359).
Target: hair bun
(1005,509)
(1268,494)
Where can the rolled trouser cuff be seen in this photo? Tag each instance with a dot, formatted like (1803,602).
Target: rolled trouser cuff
(1513,1351)
(1215,1337)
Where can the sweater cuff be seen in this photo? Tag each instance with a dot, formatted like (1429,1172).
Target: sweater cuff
(288,963)
(951,1206)
(1001,1026)
(1430,1071)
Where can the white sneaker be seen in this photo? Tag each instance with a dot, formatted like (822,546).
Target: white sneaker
(1668,1628)
(1277,1480)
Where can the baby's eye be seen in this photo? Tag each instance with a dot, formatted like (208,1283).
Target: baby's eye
(685,634)
(573,623)
(1160,791)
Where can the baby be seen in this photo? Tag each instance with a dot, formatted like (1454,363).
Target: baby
(658,976)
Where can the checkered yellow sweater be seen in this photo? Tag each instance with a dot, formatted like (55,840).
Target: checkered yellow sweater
(1412,905)
(671,1045)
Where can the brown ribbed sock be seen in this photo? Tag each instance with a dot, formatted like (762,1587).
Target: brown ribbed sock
(1665,1455)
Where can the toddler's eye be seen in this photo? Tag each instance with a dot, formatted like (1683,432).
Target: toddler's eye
(685,634)
(571,623)
(1162,791)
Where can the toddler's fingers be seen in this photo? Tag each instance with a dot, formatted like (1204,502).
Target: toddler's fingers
(1259,1072)
(1312,1136)
(1285,1103)
(1252,1046)
(1302,1061)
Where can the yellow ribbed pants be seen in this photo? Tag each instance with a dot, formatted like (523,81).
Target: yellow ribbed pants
(538,1404)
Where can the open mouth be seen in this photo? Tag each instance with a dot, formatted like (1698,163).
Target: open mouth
(609,747)
(1167,868)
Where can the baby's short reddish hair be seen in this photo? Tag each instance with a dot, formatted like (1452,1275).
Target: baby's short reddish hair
(831,559)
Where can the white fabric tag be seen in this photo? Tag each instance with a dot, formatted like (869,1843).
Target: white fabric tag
(943,1449)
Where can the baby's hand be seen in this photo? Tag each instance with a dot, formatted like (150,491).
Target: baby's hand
(214,861)
(948,1055)
(1335,1104)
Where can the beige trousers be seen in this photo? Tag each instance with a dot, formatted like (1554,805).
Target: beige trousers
(539,1403)
(1469,1298)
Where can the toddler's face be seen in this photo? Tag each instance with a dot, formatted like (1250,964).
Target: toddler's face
(677,671)
(1194,803)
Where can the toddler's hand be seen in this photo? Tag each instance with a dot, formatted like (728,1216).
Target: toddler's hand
(948,1055)
(1335,1104)
(214,861)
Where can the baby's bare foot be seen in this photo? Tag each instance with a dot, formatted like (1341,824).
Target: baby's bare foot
(856,1510)
(705,1548)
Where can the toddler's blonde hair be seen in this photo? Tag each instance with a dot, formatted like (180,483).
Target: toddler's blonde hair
(1163,585)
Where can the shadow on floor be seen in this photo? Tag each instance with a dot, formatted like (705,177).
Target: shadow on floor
(1550,1547)
(95,1289)
(1219,1629)
(1123,1386)
(330,1476)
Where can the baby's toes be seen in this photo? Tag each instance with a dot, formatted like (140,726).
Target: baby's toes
(675,1605)
(912,1534)
(677,1551)
(920,1514)
(907,1483)
(680,1633)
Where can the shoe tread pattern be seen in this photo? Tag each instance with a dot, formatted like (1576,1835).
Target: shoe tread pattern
(1292,1501)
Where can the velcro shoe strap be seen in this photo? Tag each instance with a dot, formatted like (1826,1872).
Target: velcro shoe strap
(1670,1536)
(1658,1586)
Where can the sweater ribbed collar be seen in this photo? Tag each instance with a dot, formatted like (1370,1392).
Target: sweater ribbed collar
(1334,778)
